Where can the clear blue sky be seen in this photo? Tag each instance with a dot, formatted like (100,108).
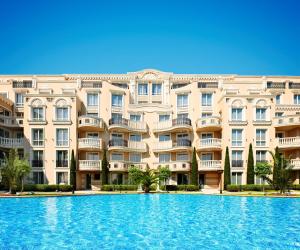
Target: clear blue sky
(242,37)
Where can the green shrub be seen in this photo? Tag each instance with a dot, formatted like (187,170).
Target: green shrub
(233,188)
(47,188)
(171,187)
(187,188)
(119,188)
(250,187)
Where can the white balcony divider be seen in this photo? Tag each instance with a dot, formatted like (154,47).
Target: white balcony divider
(89,165)
(210,142)
(89,143)
(11,142)
(289,141)
(210,164)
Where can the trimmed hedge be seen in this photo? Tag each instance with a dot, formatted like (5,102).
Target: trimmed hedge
(47,188)
(181,188)
(250,187)
(119,188)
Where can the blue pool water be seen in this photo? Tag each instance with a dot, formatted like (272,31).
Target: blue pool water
(150,222)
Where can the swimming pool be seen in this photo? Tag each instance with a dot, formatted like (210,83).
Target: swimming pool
(150,222)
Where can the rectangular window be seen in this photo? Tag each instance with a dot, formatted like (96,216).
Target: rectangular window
(92,99)
(62,158)
(37,159)
(135,118)
(206,99)
(182,179)
(117,100)
(206,115)
(237,159)
(19,100)
(116,117)
(135,157)
(261,156)
(62,137)
(117,179)
(237,114)
(62,114)
(62,178)
(164,158)
(206,157)
(237,137)
(164,138)
(261,114)
(156,89)
(261,137)
(163,118)
(135,137)
(296,99)
(38,177)
(143,89)
(182,157)
(116,157)
(37,114)
(182,101)
(278,114)
(182,116)
(37,137)
(92,156)
(278,99)
(236,178)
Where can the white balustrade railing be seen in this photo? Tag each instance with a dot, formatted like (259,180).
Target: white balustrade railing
(90,165)
(138,145)
(137,125)
(288,141)
(174,165)
(210,142)
(295,163)
(11,142)
(287,120)
(163,145)
(90,121)
(208,121)
(209,164)
(90,143)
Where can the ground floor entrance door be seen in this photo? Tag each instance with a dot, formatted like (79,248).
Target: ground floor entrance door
(201,180)
(88,181)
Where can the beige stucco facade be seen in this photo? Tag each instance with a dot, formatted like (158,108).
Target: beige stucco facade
(148,118)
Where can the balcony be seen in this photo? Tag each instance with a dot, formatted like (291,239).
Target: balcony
(127,146)
(127,125)
(37,163)
(275,85)
(287,122)
(210,144)
(296,164)
(210,165)
(9,121)
(174,166)
(90,144)
(22,84)
(178,124)
(212,123)
(125,165)
(89,165)
(181,144)
(11,142)
(62,163)
(237,163)
(288,142)
(90,123)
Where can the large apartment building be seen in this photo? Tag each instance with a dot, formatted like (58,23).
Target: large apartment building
(148,118)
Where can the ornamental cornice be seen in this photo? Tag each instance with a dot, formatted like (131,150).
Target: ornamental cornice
(287,107)
(100,77)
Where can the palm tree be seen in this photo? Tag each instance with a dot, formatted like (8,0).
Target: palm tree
(163,174)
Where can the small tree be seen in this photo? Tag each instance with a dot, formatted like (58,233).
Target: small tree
(277,163)
(250,166)
(73,171)
(227,177)
(263,170)
(105,170)
(146,179)
(194,170)
(163,174)
(14,170)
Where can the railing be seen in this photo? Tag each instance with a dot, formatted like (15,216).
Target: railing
(118,143)
(62,163)
(288,141)
(8,121)
(131,125)
(37,163)
(86,121)
(174,165)
(22,84)
(93,165)
(91,84)
(294,85)
(168,145)
(210,165)
(11,142)
(134,145)
(210,85)
(287,120)
(137,145)
(208,122)
(295,163)
(210,142)
(169,124)
(118,166)
(90,143)
(237,163)
(275,85)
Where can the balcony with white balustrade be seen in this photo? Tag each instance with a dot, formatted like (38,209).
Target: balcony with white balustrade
(89,165)
(127,146)
(125,125)
(11,142)
(9,121)
(210,165)
(172,146)
(90,144)
(178,124)
(209,144)
(288,142)
(174,166)
(90,123)
(212,123)
(287,122)
(296,164)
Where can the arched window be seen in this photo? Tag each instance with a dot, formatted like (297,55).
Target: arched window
(62,110)
(237,110)
(37,110)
